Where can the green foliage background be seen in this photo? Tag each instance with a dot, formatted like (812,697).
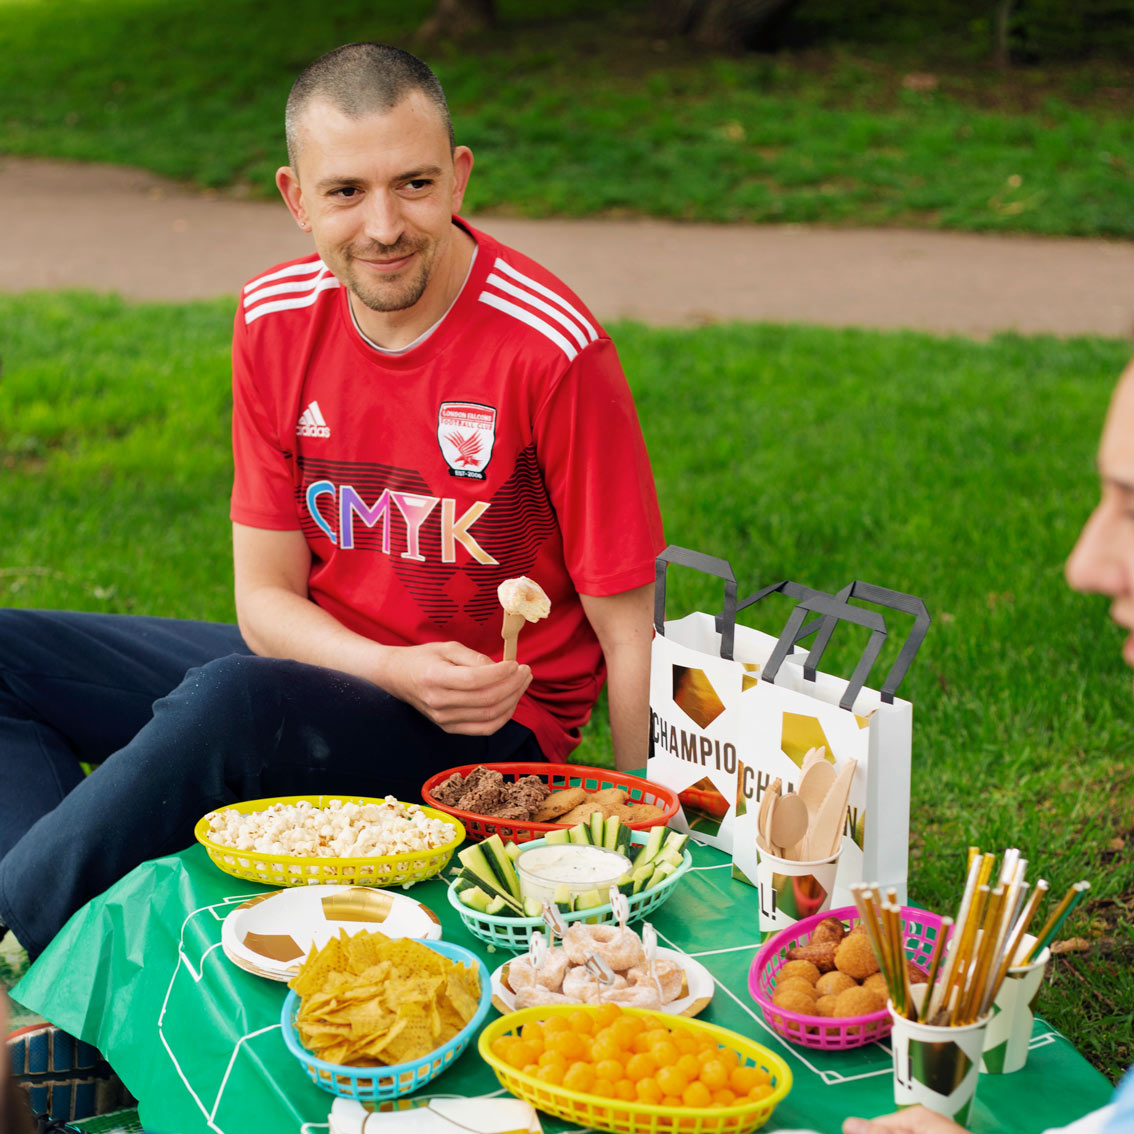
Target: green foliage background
(598,115)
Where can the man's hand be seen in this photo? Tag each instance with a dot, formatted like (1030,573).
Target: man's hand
(460,690)
(915,1120)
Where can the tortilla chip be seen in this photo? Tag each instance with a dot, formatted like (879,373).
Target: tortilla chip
(367,1000)
(314,972)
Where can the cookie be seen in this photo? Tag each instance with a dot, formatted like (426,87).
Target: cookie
(558,804)
(642,812)
(608,795)
(580,813)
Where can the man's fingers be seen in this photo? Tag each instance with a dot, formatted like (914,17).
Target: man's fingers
(479,677)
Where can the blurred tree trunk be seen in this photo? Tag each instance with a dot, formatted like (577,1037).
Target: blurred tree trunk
(457,19)
(725,25)
(1002,24)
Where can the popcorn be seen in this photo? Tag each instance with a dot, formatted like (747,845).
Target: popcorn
(340,830)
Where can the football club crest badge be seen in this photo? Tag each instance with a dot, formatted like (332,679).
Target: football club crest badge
(466,432)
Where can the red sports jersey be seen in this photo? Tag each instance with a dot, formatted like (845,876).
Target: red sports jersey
(505,444)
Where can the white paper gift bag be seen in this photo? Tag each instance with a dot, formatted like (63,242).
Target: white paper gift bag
(733,708)
(782,719)
(700,666)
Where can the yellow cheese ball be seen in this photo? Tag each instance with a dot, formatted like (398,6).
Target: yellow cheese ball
(803,969)
(855,957)
(796,984)
(876,982)
(825,1005)
(831,984)
(858,1002)
(794,1001)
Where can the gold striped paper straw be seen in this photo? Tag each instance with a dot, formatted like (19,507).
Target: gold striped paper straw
(1058,916)
(977,976)
(865,904)
(940,995)
(987,862)
(935,967)
(1013,896)
(875,931)
(901,976)
(1014,939)
(876,904)
(901,973)
(968,947)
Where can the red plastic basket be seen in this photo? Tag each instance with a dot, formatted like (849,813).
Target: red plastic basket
(920,929)
(557,776)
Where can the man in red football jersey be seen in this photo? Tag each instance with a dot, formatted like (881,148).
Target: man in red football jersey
(419,414)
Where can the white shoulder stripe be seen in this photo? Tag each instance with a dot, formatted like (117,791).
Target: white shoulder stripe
(525,316)
(309,268)
(280,289)
(288,304)
(527,281)
(535,301)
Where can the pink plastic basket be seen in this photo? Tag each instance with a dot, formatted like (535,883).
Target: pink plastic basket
(920,929)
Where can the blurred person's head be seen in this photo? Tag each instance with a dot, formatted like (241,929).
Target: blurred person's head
(1103,559)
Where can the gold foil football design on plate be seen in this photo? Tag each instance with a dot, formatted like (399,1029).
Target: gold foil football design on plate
(270,935)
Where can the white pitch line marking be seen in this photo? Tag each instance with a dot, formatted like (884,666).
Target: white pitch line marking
(232,1061)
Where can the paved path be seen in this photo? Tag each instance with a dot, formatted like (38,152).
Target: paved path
(112,229)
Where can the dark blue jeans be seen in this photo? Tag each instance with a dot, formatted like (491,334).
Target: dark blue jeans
(180,718)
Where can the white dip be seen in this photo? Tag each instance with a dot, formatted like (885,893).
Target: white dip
(580,868)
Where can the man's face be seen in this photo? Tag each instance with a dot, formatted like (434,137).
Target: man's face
(377,194)
(1103,559)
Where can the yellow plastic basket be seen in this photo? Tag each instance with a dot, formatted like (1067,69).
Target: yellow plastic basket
(294,870)
(634,1117)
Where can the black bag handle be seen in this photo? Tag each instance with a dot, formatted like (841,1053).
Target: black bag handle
(786,587)
(833,610)
(895,600)
(709,565)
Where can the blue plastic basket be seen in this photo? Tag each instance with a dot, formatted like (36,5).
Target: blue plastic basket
(515,933)
(367,1084)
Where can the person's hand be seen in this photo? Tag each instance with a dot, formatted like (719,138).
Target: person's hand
(914,1120)
(460,690)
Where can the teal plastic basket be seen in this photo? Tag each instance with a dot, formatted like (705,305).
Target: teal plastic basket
(515,933)
(368,1084)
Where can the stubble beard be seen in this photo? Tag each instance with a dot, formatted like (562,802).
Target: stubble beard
(394,295)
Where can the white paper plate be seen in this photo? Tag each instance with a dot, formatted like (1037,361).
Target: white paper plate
(270,935)
(698,980)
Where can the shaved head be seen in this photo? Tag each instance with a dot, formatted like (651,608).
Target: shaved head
(359,79)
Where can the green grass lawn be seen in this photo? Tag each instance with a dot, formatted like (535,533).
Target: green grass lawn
(954,470)
(575,107)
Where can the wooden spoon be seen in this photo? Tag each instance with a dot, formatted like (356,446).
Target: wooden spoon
(513,624)
(816,780)
(764,815)
(788,823)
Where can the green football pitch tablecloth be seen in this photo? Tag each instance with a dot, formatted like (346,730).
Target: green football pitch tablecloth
(140,973)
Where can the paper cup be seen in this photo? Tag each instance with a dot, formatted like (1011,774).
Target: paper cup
(790,891)
(1010,1029)
(936,1067)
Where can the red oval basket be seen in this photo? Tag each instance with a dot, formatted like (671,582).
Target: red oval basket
(557,777)
(919,934)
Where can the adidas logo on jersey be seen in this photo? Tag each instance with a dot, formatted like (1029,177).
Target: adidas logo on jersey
(311,423)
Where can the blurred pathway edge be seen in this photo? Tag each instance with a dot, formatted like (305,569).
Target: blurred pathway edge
(108,229)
